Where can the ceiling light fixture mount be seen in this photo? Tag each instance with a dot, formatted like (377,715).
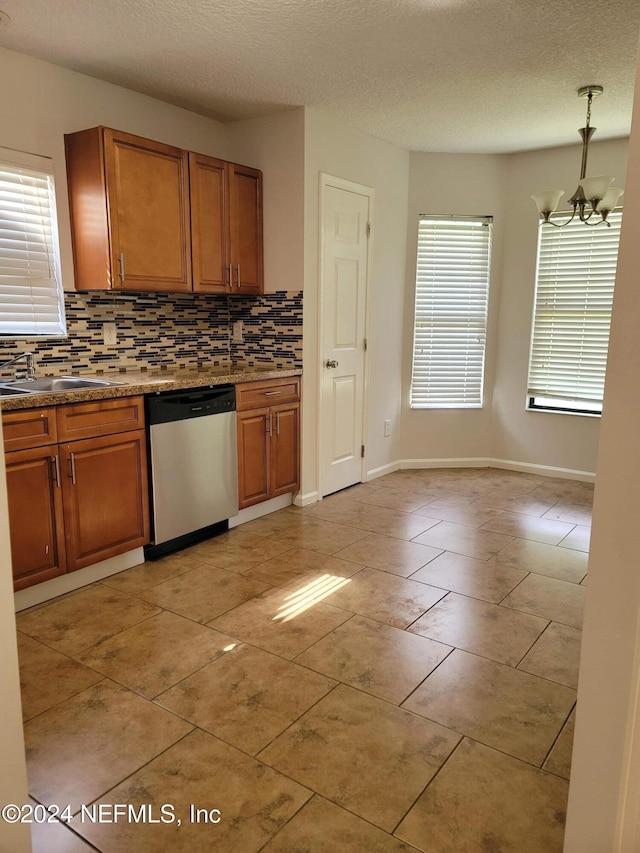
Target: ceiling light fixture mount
(593,195)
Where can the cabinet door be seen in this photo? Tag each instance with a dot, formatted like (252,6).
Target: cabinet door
(106,504)
(285,449)
(253,456)
(35,515)
(148,213)
(245,229)
(209,231)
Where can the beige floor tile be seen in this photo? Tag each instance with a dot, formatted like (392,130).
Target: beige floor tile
(153,655)
(549,560)
(48,677)
(49,837)
(204,593)
(460,511)
(386,598)
(464,540)
(283,621)
(476,578)
(391,522)
(515,712)
(317,535)
(556,655)
(480,627)
(151,574)
(335,508)
(404,501)
(571,513)
(236,550)
(378,659)
(323,826)
(485,801)
(80,749)
(254,801)
(579,539)
(523,504)
(559,760)
(269,524)
(565,491)
(246,698)
(83,619)
(527,527)
(376,759)
(550,598)
(301,565)
(391,555)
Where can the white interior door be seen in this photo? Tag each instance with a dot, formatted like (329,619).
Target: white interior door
(344,239)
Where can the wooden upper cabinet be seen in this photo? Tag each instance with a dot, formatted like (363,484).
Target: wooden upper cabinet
(129,207)
(245,229)
(209,218)
(144,213)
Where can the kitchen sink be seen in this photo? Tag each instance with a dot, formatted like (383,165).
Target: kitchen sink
(53,384)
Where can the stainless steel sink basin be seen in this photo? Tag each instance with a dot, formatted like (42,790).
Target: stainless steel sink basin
(52,384)
(11,392)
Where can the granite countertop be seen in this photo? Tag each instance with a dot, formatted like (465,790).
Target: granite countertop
(131,383)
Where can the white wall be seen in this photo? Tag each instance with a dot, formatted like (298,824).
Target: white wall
(565,441)
(275,144)
(344,152)
(602,808)
(500,185)
(13,774)
(465,185)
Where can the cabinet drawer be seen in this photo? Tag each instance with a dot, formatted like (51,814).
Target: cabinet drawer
(253,395)
(29,428)
(105,417)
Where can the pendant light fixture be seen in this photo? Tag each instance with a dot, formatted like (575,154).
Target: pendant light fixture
(594,197)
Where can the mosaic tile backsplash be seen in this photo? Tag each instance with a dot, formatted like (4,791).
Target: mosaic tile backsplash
(176,330)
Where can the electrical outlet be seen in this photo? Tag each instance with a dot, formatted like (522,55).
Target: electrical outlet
(387,427)
(238,332)
(110,334)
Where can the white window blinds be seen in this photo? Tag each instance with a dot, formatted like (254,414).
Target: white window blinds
(572,314)
(31,297)
(452,289)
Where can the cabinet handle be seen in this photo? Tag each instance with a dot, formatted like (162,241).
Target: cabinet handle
(230,277)
(238,274)
(72,465)
(277,423)
(270,424)
(121,265)
(56,468)
(272,393)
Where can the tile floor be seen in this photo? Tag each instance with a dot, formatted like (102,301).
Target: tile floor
(391,669)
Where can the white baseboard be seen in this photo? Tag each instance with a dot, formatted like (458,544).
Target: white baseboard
(544,470)
(258,510)
(508,464)
(76,580)
(306,499)
(382,470)
(462,462)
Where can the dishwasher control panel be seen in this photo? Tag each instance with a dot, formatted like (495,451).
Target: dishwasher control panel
(166,406)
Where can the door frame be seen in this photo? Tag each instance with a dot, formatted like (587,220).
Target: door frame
(325,181)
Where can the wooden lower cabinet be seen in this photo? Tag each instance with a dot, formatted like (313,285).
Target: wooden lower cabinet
(268,453)
(75,503)
(35,515)
(105,497)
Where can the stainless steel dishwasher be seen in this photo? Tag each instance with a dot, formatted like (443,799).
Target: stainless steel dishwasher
(194,467)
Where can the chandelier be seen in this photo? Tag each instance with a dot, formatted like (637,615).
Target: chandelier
(594,197)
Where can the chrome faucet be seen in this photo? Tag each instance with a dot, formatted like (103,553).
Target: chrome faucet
(30,368)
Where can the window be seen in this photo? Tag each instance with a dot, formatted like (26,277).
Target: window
(450,325)
(572,313)
(31,296)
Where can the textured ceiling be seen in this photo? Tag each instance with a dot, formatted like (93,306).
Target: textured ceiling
(429,75)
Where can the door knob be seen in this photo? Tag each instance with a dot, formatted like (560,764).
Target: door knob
(330,362)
